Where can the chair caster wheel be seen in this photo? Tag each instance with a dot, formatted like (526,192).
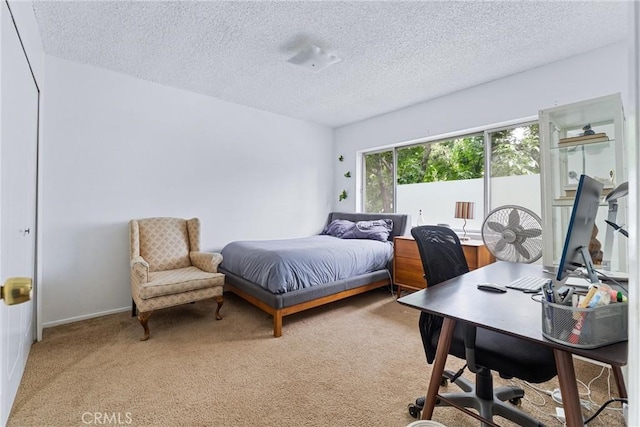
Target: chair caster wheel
(516,401)
(444,381)
(414,411)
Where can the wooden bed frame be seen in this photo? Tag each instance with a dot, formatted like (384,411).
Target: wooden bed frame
(281,305)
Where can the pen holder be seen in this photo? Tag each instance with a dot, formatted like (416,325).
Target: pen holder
(585,327)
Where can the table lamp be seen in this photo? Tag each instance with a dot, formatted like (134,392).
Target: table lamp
(464,210)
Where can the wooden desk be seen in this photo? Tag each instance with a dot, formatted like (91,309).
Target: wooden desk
(407,266)
(512,313)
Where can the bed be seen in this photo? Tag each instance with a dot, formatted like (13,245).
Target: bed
(283,277)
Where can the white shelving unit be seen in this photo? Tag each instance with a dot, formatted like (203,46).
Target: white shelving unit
(565,155)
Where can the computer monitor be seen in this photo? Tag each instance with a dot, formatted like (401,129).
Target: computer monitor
(583,217)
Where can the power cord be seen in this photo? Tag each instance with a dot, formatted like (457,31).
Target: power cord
(611,279)
(557,397)
(604,405)
(538,391)
(393,294)
(591,382)
(540,405)
(608,388)
(458,374)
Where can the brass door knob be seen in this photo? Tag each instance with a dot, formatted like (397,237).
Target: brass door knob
(16,290)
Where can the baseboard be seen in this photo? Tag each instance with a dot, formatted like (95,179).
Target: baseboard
(84,317)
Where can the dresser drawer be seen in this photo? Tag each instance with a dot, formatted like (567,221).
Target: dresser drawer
(406,248)
(407,265)
(408,271)
(471,254)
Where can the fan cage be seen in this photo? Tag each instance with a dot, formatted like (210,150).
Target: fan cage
(528,220)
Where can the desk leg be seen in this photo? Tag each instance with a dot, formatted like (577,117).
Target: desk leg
(568,388)
(444,342)
(617,374)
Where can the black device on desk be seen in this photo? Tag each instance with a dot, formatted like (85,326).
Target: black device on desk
(583,218)
(491,287)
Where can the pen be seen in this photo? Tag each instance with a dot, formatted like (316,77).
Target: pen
(548,291)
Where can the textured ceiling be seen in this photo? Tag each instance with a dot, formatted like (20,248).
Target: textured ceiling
(392,54)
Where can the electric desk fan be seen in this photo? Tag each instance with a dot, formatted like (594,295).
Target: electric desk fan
(513,233)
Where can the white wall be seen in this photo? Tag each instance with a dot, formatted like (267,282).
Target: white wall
(437,200)
(597,73)
(118,148)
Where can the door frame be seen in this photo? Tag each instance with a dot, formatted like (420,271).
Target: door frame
(37,321)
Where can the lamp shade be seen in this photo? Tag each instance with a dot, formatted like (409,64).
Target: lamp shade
(464,210)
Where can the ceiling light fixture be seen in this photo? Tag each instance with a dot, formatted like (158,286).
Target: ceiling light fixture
(313,58)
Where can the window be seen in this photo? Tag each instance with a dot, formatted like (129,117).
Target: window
(515,167)
(432,176)
(379,190)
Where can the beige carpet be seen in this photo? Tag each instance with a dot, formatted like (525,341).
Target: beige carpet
(356,362)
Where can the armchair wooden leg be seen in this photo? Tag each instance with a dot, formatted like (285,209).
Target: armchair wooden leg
(133,308)
(144,320)
(220,301)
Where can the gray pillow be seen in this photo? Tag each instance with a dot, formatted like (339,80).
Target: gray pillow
(338,227)
(378,229)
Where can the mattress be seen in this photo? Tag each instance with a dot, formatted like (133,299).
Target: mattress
(281,266)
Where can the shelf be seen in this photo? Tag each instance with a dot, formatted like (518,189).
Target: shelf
(584,139)
(568,202)
(584,143)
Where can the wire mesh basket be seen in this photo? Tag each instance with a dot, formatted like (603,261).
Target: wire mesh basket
(585,327)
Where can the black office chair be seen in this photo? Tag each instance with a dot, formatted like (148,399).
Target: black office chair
(483,350)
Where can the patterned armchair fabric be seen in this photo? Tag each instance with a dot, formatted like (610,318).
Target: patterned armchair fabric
(167,267)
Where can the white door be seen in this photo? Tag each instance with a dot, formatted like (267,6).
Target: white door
(18,169)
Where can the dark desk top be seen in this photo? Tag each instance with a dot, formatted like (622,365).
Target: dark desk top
(512,313)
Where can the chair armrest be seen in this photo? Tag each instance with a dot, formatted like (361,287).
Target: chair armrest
(140,269)
(206,261)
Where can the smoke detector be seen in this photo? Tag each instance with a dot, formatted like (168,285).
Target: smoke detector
(313,58)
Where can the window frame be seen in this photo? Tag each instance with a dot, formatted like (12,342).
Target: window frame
(485,131)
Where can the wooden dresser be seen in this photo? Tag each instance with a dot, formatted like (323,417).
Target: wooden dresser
(407,266)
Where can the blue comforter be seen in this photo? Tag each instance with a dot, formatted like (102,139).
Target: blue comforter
(287,265)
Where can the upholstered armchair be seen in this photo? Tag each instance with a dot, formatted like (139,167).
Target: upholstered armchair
(167,267)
